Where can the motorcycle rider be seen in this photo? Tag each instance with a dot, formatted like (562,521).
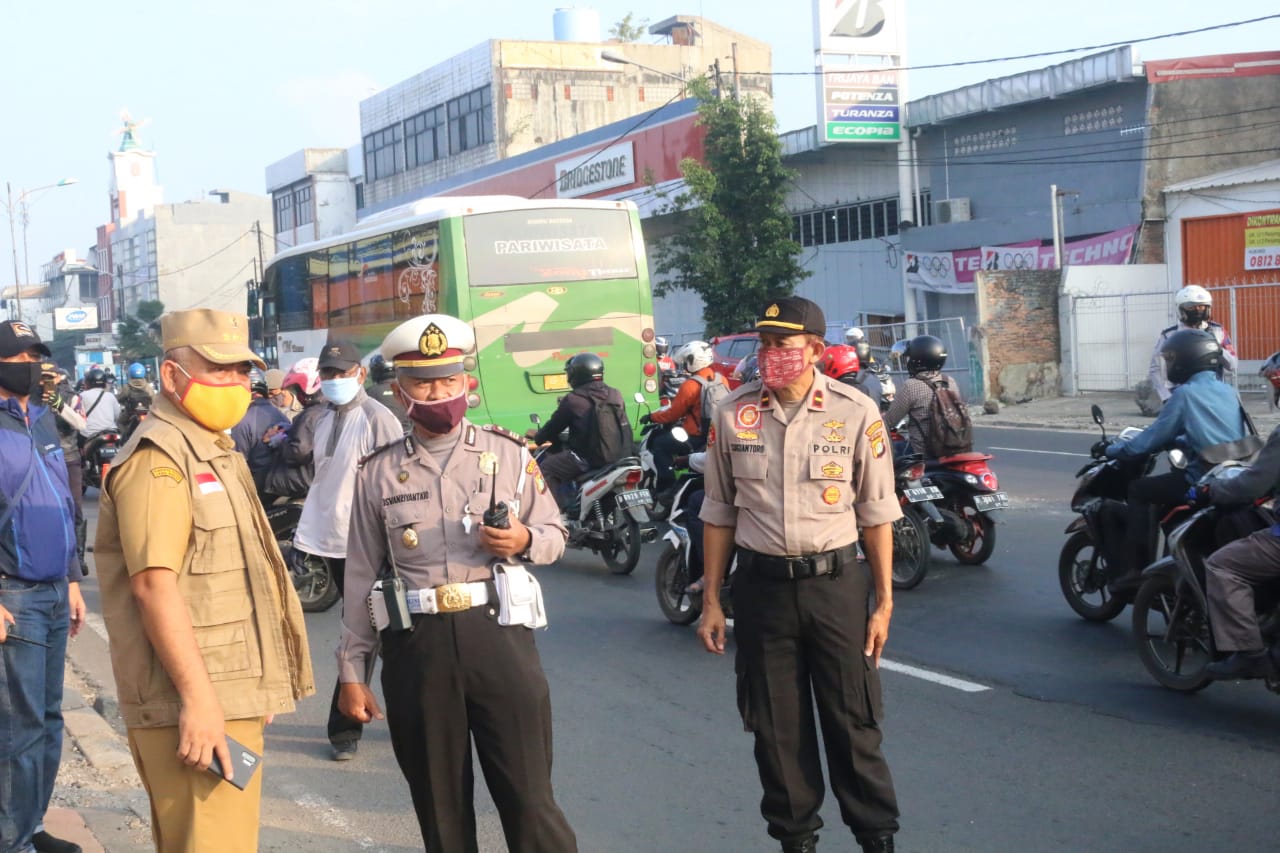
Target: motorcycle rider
(383,377)
(577,410)
(294,466)
(685,409)
(280,396)
(1195,304)
(1201,413)
(101,411)
(856,338)
(925,357)
(134,399)
(843,363)
(252,434)
(1233,571)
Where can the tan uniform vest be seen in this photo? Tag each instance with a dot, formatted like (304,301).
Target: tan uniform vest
(242,604)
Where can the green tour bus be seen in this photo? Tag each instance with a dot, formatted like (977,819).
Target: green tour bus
(538,280)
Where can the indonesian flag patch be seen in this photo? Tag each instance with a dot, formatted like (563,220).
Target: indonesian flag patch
(208,484)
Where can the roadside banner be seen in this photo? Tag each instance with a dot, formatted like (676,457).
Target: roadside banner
(1262,240)
(953,271)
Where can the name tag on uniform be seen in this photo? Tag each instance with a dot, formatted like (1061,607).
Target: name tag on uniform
(208,484)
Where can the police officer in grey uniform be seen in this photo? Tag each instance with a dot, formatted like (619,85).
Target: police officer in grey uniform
(797,464)
(419,511)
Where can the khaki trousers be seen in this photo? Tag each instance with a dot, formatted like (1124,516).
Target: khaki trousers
(193,811)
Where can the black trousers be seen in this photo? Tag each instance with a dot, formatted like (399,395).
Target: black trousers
(342,729)
(665,448)
(1147,496)
(799,639)
(461,676)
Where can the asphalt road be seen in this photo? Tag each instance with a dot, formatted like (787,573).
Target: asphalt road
(1011,723)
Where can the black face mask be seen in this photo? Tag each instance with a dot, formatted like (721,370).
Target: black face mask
(20,377)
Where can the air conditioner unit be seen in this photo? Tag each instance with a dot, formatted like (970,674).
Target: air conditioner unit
(947,210)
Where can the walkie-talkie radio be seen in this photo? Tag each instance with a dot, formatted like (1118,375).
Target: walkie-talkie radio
(497,514)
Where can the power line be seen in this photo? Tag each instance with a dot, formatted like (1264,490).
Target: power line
(1016,57)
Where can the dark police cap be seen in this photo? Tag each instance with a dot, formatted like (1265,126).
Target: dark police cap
(792,315)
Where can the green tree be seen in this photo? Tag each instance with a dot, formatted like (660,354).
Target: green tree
(139,337)
(629,29)
(731,241)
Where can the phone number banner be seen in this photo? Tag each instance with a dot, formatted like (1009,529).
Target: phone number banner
(1262,240)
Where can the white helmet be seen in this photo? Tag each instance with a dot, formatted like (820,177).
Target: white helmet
(854,335)
(694,356)
(1194,304)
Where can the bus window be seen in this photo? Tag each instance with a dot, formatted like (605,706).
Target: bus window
(292,294)
(339,292)
(318,274)
(416,271)
(371,291)
(554,245)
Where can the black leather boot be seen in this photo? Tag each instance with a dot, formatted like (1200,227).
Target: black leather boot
(808,844)
(880,844)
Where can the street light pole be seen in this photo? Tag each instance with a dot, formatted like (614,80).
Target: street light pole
(619,59)
(23,195)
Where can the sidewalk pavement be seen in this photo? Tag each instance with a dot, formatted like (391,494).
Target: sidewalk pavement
(1119,409)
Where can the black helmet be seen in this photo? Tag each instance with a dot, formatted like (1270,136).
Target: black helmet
(258,382)
(582,368)
(863,348)
(379,370)
(95,378)
(1189,351)
(925,353)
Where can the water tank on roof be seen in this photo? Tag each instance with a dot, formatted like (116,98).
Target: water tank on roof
(574,24)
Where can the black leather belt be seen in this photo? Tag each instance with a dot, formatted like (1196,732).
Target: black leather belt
(796,568)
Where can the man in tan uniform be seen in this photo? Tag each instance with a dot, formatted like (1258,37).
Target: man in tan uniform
(418,514)
(796,464)
(207,637)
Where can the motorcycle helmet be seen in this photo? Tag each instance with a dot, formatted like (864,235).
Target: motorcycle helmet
(258,382)
(840,360)
(304,376)
(379,370)
(661,345)
(95,378)
(694,356)
(853,336)
(925,352)
(1271,372)
(863,349)
(137,371)
(582,368)
(1190,351)
(1194,304)
(748,370)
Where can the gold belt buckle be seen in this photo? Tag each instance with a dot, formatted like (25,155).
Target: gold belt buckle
(452,597)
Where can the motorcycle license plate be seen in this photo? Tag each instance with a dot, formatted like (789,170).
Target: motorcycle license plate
(638,497)
(986,503)
(923,493)
(106,453)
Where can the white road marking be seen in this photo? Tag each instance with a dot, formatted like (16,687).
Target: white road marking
(324,812)
(94,621)
(935,677)
(1045,452)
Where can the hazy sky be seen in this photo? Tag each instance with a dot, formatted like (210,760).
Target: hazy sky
(231,86)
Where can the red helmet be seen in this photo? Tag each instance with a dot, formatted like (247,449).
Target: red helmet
(840,360)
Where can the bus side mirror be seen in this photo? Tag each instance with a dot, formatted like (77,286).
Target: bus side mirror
(639,398)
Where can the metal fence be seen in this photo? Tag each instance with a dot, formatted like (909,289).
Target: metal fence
(1114,335)
(962,359)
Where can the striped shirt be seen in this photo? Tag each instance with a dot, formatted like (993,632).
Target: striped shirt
(912,402)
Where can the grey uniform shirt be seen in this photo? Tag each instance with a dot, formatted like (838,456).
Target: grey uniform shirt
(402,488)
(802,484)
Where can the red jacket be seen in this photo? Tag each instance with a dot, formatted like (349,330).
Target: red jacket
(687,404)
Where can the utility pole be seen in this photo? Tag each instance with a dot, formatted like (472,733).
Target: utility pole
(715,68)
(17,286)
(737,93)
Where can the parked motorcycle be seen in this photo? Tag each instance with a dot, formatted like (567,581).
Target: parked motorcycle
(1171,609)
(911,551)
(970,500)
(671,578)
(96,458)
(609,514)
(312,574)
(1101,500)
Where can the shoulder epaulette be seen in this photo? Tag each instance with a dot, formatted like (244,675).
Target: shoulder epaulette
(1169,331)
(505,433)
(408,449)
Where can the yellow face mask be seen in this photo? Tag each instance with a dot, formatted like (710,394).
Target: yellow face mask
(215,407)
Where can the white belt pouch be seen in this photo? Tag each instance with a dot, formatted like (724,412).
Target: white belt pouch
(519,597)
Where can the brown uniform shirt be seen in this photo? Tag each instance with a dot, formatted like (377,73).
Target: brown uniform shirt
(804,485)
(180,498)
(409,512)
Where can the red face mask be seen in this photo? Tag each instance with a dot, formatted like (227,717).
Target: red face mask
(438,416)
(780,366)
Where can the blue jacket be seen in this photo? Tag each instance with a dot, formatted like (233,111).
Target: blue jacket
(261,416)
(1202,412)
(38,543)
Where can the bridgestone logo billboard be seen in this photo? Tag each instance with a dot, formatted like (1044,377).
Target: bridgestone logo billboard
(596,171)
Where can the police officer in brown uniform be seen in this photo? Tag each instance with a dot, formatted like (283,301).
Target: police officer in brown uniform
(454,674)
(207,638)
(796,465)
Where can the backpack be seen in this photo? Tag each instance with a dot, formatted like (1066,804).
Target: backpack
(606,441)
(950,430)
(713,391)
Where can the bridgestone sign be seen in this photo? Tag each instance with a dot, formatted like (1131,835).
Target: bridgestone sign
(596,171)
